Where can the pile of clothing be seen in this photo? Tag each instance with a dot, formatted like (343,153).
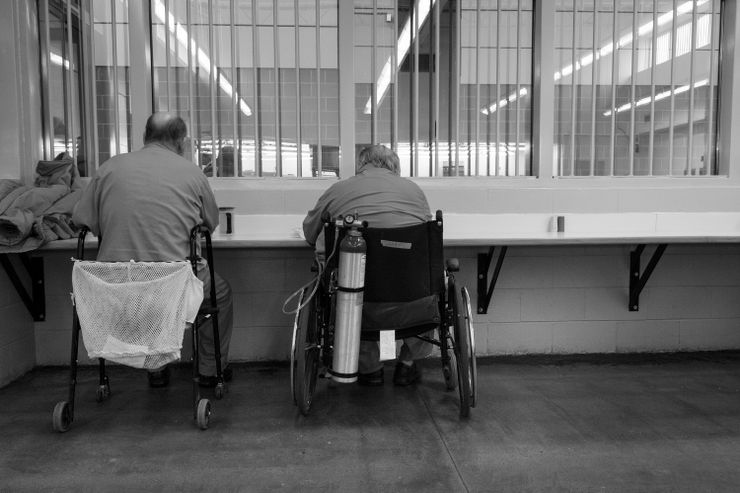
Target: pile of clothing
(31,216)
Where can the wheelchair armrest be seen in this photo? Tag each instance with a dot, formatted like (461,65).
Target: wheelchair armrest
(453,265)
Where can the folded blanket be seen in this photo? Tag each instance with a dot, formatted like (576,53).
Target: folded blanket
(32,216)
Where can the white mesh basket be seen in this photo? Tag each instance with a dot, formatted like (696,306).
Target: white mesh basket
(135,313)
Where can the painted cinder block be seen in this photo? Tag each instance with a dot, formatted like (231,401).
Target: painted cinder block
(16,358)
(584,337)
(648,336)
(676,302)
(609,304)
(519,338)
(709,334)
(552,305)
(590,271)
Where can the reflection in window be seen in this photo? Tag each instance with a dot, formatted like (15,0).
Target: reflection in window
(446,83)
(256,81)
(636,87)
(63,96)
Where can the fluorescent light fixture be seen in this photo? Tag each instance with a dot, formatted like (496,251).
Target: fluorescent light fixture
(646,100)
(203,60)
(58,60)
(408,33)
(509,99)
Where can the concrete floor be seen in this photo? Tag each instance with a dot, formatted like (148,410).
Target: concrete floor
(645,423)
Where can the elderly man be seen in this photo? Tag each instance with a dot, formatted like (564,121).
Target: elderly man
(385,200)
(143,205)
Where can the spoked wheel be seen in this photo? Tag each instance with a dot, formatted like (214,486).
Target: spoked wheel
(307,354)
(203,414)
(293,352)
(468,327)
(449,369)
(62,417)
(462,348)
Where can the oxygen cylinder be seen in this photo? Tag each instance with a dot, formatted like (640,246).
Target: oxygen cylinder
(351,284)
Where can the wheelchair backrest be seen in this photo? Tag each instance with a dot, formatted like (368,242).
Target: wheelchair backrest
(403,264)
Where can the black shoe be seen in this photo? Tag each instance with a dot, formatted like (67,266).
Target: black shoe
(374,379)
(405,374)
(159,378)
(211,381)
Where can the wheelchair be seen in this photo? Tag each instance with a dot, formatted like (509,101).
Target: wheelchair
(426,299)
(63,414)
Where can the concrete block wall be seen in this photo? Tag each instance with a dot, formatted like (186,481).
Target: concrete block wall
(548,300)
(16,333)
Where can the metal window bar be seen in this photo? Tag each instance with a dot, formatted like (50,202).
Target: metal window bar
(633,98)
(435,88)
(374,103)
(319,147)
(114,57)
(257,104)
(212,80)
(235,106)
(278,106)
(572,96)
(653,60)
(710,103)
(394,80)
(415,94)
(456,100)
(477,87)
(65,81)
(517,96)
(73,108)
(613,119)
(674,45)
(593,89)
(299,138)
(167,52)
(191,95)
(692,81)
(92,94)
(44,38)
(498,90)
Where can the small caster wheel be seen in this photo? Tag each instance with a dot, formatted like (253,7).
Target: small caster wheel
(102,393)
(61,418)
(220,391)
(450,372)
(204,413)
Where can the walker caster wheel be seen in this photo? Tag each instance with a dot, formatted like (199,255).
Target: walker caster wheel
(62,417)
(102,393)
(219,391)
(204,413)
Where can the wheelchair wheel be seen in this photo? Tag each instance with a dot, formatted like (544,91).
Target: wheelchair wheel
(449,368)
(462,348)
(468,322)
(296,333)
(306,357)
(204,413)
(62,418)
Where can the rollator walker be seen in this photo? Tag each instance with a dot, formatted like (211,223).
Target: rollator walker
(140,321)
(408,288)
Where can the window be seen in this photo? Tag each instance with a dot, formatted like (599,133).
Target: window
(636,87)
(256,81)
(451,86)
(64,124)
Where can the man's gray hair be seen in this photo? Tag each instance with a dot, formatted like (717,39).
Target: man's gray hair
(379,156)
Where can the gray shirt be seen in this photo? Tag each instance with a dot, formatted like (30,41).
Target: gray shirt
(144,205)
(381,198)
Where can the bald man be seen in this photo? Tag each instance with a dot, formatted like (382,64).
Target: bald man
(143,205)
